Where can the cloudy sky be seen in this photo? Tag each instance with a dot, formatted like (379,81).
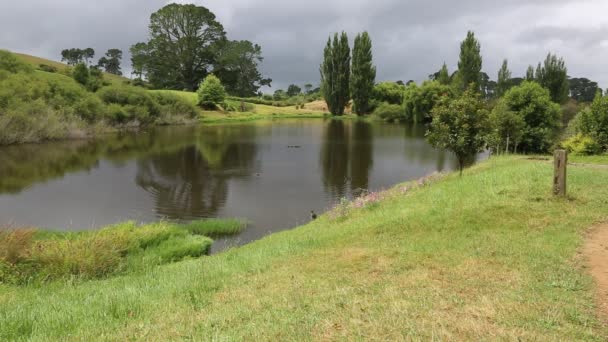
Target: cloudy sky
(412,38)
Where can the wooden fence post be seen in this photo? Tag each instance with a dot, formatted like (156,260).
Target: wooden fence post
(559,180)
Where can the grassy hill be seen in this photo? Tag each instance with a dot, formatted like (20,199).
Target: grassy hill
(491,255)
(36,61)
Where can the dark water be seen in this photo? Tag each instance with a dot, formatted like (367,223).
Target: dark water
(270,173)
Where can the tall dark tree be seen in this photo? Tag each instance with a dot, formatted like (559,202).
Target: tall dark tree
(469,65)
(363,76)
(308,88)
(111,62)
(140,57)
(553,75)
(444,75)
(293,90)
(72,56)
(335,73)
(583,89)
(504,79)
(237,67)
(88,54)
(183,43)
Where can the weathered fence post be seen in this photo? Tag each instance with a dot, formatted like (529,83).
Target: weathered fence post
(559,180)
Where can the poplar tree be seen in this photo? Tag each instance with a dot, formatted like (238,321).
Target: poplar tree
(363,76)
(444,75)
(335,73)
(504,79)
(530,74)
(469,65)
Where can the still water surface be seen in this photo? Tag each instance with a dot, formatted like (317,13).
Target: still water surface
(270,173)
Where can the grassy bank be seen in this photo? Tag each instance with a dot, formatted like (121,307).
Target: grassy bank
(490,256)
(29,256)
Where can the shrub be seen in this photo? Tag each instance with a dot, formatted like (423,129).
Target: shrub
(582,145)
(174,106)
(389,92)
(135,103)
(90,108)
(47,68)
(593,121)
(81,73)
(389,112)
(211,92)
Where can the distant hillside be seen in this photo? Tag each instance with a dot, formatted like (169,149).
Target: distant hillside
(36,61)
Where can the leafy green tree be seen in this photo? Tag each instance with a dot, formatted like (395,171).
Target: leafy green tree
(504,79)
(363,76)
(506,127)
(530,74)
(469,65)
(444,76)
(460,125)
(111,61)
(237,65)
(389,92)
(553,75)
(88,54)
(418,102)
(335,73)
(183,45)
(72,56)
(308,88)
(293,90)
(211,92)
(583,89)
(541,116)
(593,121)
(140,59)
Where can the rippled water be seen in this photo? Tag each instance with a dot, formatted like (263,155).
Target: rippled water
(270,173)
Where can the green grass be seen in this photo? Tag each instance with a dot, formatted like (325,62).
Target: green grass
(599,159)
(215,227)
(34,257)
(489,256)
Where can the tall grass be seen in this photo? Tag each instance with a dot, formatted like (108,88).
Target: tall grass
(29,256)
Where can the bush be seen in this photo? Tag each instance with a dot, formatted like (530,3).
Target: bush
(593,121)
(582,145)
(135,104)
(211,92)
(389,112)
(90,108)
(389,92)
(47,68)
(174,106)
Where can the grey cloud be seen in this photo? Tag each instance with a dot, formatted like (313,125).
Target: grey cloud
(411,38)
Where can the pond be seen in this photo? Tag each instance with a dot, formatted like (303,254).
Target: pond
(271,173)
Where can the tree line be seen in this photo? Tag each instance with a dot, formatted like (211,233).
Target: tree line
(465,111)
(186,44)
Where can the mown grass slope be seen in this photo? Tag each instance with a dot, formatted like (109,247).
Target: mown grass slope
(489,256)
